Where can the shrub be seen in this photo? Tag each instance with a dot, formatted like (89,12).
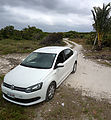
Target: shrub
(39,36)
(7,32)
(90,39)
(28,33)
(53,38)
(106,41)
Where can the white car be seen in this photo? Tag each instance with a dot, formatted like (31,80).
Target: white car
(38,76)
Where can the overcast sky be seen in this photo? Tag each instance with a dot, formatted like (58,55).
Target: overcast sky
(49,15)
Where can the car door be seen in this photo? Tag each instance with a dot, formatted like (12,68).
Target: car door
(68,53)
(60,71)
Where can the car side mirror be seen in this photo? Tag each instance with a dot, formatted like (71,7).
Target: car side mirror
(60,65)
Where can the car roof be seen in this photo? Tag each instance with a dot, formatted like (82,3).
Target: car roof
(51,49)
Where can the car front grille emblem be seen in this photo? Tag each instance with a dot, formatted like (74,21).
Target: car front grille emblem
(12,87)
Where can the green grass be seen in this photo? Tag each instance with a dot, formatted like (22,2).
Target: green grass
(8,46)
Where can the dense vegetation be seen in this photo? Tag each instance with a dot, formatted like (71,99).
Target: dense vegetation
(26,40)
(30,33)
(52,38)
(89,38)
(102,22)
(30,38)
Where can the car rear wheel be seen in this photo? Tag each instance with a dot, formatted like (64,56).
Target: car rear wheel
(74,67)
(50,91)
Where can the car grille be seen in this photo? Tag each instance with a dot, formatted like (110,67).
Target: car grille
(22,100)
(14,87)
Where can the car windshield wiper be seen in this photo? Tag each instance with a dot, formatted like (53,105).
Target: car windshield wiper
(35,66)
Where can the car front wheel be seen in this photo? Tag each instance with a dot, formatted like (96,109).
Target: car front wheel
(50,91)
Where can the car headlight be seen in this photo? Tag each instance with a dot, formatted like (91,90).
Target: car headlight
(34,88)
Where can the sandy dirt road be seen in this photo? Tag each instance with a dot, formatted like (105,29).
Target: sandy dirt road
(92,78)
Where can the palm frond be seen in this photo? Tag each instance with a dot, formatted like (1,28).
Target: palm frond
(101,18)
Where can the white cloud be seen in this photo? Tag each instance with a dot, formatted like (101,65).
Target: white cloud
(32,16)
(56,14)
(28,15)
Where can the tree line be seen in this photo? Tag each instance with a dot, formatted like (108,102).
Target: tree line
(30,33)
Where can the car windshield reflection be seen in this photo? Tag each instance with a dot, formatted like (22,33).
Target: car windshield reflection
(39,60)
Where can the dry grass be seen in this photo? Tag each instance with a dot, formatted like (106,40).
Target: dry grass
(104,56)
(75,107)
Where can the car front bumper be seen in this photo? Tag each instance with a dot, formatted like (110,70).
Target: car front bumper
(22,98)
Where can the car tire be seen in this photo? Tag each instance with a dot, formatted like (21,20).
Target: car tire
(74,67)
(50,91)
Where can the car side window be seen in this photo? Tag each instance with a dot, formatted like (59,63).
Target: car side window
(68,53)
(60,58)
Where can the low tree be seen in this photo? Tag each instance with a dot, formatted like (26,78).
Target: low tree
(102,21)
(7,32)
(29,32)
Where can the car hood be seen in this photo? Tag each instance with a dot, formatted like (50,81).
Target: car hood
(24,76)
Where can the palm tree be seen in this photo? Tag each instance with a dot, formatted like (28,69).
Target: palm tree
(101,21)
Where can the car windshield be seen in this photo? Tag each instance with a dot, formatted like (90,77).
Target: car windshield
(39,60)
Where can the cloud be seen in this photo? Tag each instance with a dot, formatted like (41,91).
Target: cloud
(50,15)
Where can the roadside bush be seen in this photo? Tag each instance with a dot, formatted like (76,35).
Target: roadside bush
(7,32)
(17,35)
(106,41)
(28,33)
(90,39)
(0,36)
(39,36)
(70,34)
(53,38)
(74,34)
